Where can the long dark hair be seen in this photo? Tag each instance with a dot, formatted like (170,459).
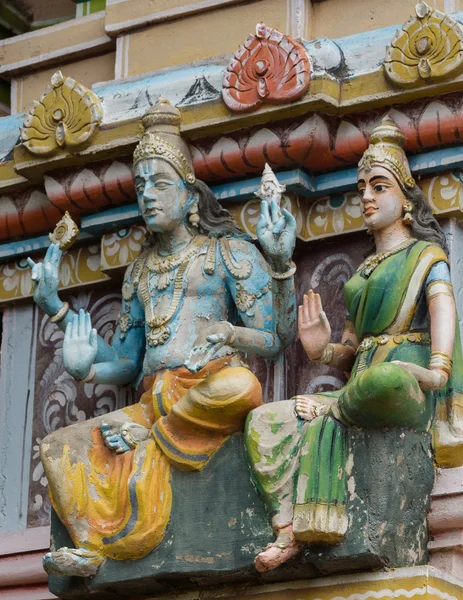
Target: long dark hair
(424,226)
(214,220)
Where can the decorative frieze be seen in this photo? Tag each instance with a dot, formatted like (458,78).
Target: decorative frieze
(270,68)
(427,49)
(324,217)
(66,116)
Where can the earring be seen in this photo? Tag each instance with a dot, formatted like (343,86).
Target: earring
(194,217)
(408,209)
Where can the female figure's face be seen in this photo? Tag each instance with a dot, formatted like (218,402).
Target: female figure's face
(161,194)
(382,199)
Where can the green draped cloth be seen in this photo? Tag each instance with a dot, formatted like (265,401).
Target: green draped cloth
(302,468)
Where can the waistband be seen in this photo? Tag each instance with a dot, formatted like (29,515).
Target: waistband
(416,337)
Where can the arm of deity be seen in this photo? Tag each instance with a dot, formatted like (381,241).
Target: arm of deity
(269,326)
(266,304)
(442,313)
(45,278)
(315,334)
(80,348)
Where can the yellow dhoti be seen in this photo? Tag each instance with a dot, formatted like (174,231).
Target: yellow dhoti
(119,504)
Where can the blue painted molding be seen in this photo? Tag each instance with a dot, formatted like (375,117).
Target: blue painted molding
(297,181)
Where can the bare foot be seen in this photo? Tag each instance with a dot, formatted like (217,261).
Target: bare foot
(284,548)
(76,562)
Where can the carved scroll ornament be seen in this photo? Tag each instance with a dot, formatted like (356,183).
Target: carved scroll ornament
(269,68)
(66,116)
(429,47)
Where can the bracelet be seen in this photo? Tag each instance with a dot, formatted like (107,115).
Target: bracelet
(441,361)
(90,376)
(59,316)
(285,275)
(232,333)
(326,356)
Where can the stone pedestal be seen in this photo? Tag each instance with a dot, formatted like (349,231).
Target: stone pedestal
(219,523)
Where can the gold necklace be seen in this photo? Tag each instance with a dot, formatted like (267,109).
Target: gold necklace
(159,331)
(373,261)
(159,264)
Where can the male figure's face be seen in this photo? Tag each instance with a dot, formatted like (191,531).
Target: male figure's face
(162,195)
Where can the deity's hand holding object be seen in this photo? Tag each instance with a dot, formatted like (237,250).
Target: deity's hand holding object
(276,232)
(45,277)
(209,343)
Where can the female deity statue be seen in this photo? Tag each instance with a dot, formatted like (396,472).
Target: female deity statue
(400,345)
(197,277)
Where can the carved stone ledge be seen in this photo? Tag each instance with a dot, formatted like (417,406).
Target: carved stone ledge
(219,523)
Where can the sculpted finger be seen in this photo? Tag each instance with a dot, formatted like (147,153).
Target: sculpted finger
(215,338)
(94,338)
(279,226)
(290,220)
(75,326)
(30,262)
(37,272)
(313,313)
(265,213)
(275,211)
(306,308)
(49,253)
(56,254)
(67,333)
(81,323)
(301,320)
(318,304)
(88,324)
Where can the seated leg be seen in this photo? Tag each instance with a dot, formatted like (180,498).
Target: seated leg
(385,395)
(282,549)
(75,562)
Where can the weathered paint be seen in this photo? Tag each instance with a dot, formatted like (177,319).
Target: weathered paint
(16,412)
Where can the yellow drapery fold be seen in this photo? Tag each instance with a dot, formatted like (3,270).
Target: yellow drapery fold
(120,504)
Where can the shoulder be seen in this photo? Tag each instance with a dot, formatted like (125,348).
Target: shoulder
(431,252)
(132,275)
(241,257)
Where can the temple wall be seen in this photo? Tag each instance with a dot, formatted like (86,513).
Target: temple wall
(139,49)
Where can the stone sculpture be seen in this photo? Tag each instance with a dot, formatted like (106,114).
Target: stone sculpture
(110,477)
(402,349)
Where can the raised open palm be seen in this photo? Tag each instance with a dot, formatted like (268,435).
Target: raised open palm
(80,345)
(313,326)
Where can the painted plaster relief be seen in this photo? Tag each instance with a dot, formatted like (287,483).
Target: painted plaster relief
(58,400)
(270,68)
(66,116)
(325,217)
(429,47)
(313,141)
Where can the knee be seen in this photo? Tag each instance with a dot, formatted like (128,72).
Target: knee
(385,379)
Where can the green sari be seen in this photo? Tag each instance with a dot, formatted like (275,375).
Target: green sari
(302,468)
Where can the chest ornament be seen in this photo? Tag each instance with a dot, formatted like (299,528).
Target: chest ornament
(373,261)
(159,331)
(239,270)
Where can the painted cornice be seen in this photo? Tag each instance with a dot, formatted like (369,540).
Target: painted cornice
(347,78)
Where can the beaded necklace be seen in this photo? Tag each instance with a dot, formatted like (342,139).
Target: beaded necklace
(373,261)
